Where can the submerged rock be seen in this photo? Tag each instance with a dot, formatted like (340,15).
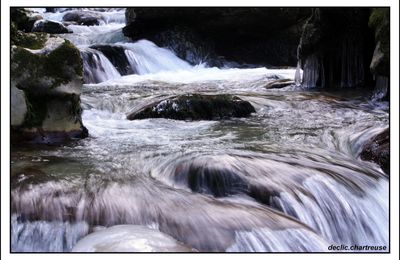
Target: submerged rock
(87,18)
(51,81)
(50,27)
(378,151)
(196,107)
(279,83)
(210,179)
(129,238)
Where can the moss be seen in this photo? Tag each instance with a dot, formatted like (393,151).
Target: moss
(57,66)
(68,55)
(32,41)
(75,110)
(19,16)
(37,110)
(379,22)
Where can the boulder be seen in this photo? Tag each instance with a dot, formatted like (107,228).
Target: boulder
(23,19)
(246,35)
(116,55)
(129,238)
(50,27)
(378,150)
(196,107)
(46,86)
(81,17)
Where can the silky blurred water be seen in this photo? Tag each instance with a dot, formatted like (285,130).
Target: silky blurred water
(288,178)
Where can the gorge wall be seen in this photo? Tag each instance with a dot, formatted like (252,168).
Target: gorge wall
(267,36)
(334,46)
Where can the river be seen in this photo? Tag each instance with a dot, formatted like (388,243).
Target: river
(288,178)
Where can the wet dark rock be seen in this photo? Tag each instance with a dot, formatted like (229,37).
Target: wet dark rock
(87,18)
(279,83)
(23,19)
(213,180)
(116,55)
(50,27)
(196,107)
(246,35)
(336,47)
(220,179)
(378,151)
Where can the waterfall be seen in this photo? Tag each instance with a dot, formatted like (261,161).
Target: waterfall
(297,75)
(97,68)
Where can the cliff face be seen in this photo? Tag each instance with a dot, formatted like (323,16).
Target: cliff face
(266,36)
(379,22)
(336,48)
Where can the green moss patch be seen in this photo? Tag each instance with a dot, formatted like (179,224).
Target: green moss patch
(32,41)
(379,21)
(60,66)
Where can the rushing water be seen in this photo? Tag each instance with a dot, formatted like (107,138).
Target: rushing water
(288,178)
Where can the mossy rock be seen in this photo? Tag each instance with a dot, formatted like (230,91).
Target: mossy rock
(379,21)
(20,17)
(51,81)
(40,72)
(196,107)
(32,41)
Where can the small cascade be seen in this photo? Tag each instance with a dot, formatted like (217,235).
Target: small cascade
(287,179)
(97,68)
(116,55)
(146,57)
(297,75)
(44,236)
(311,71)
